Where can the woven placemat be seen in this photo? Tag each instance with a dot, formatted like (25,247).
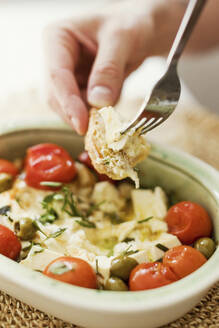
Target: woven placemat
(15,314)
(191,129)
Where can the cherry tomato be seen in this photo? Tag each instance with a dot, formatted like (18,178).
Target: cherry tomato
(73,271)
(188,221)
(183,260)
(104,177)
(150,275)
(8,167)
(84,158)
(10,245)
(48,162)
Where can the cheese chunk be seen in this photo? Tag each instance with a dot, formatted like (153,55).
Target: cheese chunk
(147,203)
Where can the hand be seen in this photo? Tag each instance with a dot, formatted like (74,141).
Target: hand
(88,58)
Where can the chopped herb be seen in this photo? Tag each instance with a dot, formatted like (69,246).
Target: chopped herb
(107,162)
(37,225)
(93,208)
(5,209)
(128,239)
(10,219)
(162,247)
(52,235)
(60,268)
(145,220)
(38,251)
(18,200)
(56,233)
(86,223)
(128,252)
(114,218)
(49,217)
(50,214)
(69,205)
(51,184)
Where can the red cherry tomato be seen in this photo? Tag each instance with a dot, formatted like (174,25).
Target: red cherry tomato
(188,221)
(10,245)
(150,275)
(104,177)
(48,162)
(8,167)
(84,158)
(73,271)
(183,260)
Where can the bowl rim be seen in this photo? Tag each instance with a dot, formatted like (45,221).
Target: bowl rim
(120,302)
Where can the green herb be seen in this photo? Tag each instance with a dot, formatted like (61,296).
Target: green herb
(38,251)
(37,226)
(128,252)
(52,235)
(51,184)
(114,218)
(56,233)
(86,223)
(162,247)
(145,220)
(10,219)
(93,208)
(69,205)
(5,209)
(49,217)
(60,268)
(128,239)
(17,199)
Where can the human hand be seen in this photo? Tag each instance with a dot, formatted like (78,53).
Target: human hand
(88,57)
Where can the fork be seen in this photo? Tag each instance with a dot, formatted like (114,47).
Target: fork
(160,103)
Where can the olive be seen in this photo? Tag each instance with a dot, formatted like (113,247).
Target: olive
(206,246)
(6,181)
(122,266)
(25,229)
(116,284)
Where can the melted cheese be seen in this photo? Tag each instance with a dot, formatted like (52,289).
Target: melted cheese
(105,241)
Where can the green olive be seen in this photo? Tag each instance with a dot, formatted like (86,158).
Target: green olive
(206,246)
(6,181)
(25,229)
(116,284)
(122,266)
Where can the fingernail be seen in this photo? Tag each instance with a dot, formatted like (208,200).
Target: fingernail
(76,124)
(100,96)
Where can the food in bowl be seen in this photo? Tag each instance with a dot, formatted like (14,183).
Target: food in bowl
(59,217)
(111,152)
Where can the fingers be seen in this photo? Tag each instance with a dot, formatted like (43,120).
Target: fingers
(107,74)
(62,52)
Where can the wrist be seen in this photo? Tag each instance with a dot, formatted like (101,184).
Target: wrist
(167,16)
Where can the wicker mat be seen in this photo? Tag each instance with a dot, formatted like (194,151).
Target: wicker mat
(193,130)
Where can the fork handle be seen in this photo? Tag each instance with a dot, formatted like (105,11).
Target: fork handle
(189,20)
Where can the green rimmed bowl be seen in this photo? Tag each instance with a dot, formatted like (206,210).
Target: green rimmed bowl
(183,177)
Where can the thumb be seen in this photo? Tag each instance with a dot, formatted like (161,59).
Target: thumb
(107,73)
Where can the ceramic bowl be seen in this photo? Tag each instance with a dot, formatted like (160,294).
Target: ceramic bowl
(182,176)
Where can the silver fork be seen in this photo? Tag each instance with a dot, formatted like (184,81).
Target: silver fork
(159,104)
